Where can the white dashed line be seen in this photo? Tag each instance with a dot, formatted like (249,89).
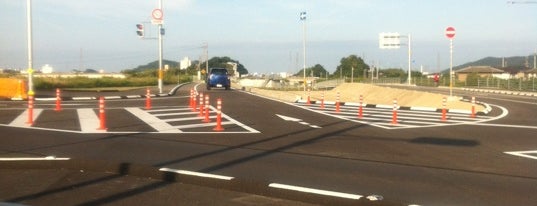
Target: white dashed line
(198,174)
(315,191)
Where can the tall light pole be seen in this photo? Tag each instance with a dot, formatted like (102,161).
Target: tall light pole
(30,47)
(303,19)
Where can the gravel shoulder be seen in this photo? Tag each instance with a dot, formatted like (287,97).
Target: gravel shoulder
(372,94)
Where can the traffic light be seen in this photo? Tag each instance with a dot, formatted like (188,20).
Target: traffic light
(140,30)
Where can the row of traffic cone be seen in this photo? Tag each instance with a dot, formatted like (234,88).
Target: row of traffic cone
(395,107)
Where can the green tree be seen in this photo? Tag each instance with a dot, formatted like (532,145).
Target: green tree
(346,65)
(315,71)
(224,62)
(392,73)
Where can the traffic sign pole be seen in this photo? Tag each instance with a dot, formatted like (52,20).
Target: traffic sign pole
(450,34)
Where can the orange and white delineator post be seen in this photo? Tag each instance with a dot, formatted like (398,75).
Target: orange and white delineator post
(360,109)
(444,109)
(102,117)
(337,102)
(58,100)
(206,119)
(201,105)
(190,102)
(308,101)
(394,115)
(148,99)
(30,120)
(473,108)
(218,115)
(322,100)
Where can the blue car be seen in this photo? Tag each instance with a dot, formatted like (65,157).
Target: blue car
(218,77)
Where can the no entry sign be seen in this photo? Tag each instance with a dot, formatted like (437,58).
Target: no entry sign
(450,32)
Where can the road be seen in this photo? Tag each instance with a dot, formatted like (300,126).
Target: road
(337,156)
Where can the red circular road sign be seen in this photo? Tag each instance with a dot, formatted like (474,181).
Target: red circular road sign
(450,32)
(157,14)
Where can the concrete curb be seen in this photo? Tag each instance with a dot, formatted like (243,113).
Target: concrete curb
(170,93)
(426,109)
(515,93)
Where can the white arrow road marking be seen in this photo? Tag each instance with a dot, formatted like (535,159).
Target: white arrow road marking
(525,154)
(292,119)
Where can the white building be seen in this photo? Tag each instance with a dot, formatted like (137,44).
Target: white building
(184,63)
(47,69)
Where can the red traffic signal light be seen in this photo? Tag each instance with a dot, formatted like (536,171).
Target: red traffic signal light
(140,30)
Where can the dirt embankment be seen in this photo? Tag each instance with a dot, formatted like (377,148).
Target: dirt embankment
(350,92)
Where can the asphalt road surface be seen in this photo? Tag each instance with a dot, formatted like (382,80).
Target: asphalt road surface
(269,153)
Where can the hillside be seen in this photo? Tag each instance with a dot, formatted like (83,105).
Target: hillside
(154,65)
(516,62)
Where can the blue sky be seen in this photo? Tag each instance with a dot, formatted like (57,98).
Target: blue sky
(265,36)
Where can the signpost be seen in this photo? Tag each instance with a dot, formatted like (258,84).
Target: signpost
(157,17)
(450,34)
(393,41)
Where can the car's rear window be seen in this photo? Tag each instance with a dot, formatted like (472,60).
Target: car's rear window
(218,71)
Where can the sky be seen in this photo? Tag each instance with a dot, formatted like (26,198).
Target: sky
(266,36)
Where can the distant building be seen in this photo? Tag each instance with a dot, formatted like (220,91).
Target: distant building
(47,69)
(482,71)
(184,63)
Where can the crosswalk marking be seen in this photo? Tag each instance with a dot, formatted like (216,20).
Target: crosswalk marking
(22,119)
(382,116)
(175,119)
(88,121)
(152,120)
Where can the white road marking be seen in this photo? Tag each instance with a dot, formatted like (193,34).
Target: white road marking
(48,158)
(89,122)
(151,120)
(524,154)
(22,119)
(292,119)
(198,174)
(315,191)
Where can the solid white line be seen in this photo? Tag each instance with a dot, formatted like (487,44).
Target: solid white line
(188,119)
(151,120)
(315,191)
(174,114)
(48,158)
(21,120)
(89,122)
(210,124)
(252,130)
(168,110)
(83,98)
(426,109)
(112,97)
(198,174)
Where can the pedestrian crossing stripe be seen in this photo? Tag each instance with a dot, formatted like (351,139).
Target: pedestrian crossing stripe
(181,121)
(382,116)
